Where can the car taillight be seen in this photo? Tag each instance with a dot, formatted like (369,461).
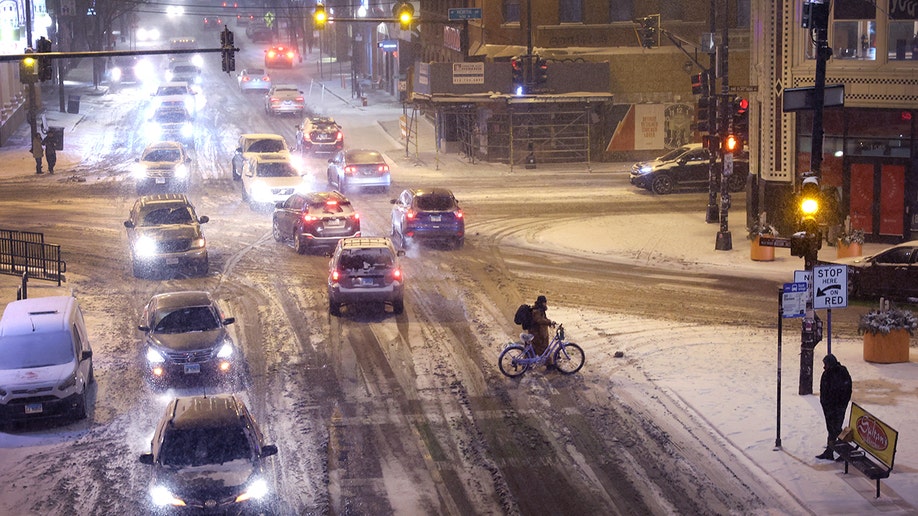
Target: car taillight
(271,54)
(289,55)
(383,168)
(335,275)
(396,274)
(274,100)
(300,99)
(355,216)
(410,214)
(266,78)
(339,136)
(309,218)
(350,170)
(458,214)
(246,79)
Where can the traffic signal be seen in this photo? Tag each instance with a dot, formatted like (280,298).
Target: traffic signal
(705,123)
(649,30)
(807,241)
(43,45)
(519,75)
(228,51)
(732,143)
(741,118)
(404,11)
(540,70)
(320,17)
(701,84)
(28,69)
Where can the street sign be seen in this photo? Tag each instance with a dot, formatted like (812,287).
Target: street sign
(793,300)
(830,286)
(804,99)
(774,241)
(464,13)
(744,89)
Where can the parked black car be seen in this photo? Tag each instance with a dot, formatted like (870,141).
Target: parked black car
(686,167)
(318,219)
(891,273)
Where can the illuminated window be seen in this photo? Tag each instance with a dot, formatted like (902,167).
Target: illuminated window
(854,30)
(902,40)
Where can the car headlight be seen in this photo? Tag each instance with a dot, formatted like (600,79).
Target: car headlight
(257,490)
(226,350)
(260,191)
(187,130)
(198,243)
(139,171)
(646,169)
(162,496)
(68,383)
(145,247)
(181,171)
(154,356)
(197,60)
(116,74)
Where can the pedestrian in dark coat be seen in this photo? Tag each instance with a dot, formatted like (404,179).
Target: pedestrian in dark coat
(834,395)
(37,151)
(50,152)
(540,324)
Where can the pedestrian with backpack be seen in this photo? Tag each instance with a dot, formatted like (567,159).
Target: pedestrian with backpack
(539,325)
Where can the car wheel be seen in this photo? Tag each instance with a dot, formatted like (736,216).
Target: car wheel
(398,306)
(458,242)
(245,195)
(334,308)
(661,184)
(236,175)
(79,411)
(275,231)
(203,268)
(301,244)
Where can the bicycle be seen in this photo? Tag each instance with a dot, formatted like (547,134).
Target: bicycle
(519,357)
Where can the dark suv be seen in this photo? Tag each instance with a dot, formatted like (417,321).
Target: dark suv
(365,270)
(428,214)
(165,234)
(185,337)
(686,166)
(322,135)
(315,220)
(208,456)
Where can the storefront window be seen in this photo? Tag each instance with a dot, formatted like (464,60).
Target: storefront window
(854,30)
(570,11)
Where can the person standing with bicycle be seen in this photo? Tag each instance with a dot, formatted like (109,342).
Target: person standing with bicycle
(539,326)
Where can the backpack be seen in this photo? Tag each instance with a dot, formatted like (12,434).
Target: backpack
(523,316)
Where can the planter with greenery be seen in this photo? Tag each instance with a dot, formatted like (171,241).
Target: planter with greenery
(887,334)
(850,241)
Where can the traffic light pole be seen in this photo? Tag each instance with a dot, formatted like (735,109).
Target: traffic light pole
(711,215)
(724,241)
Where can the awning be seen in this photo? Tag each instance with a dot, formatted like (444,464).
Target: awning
(498,51)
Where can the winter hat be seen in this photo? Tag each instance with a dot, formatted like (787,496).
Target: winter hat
(830,360)
(541,300)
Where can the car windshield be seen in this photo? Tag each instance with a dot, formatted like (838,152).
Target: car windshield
(202,446)
(326,126)
(162,155)
(326,207)
(255,71)
(266,146)
(435,203)
(673,154)
(366,259)
(159,216)
(186,69)
(186,319)
(36,350)
(364,157)
(276,170)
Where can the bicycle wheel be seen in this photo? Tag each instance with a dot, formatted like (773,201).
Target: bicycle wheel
(569,358)
(508,361)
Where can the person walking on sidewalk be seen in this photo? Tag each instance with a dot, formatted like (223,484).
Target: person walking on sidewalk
(834,395)
(37,151)
(50,152)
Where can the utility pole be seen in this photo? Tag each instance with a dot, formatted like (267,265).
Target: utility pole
(724,241)
(712,143)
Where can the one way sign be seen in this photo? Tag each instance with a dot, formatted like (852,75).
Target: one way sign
(830,286)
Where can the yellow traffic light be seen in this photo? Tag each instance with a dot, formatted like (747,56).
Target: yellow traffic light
(28,70)
(405,14)
(320,17)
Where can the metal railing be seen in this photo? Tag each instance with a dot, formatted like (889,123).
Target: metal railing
(25,252)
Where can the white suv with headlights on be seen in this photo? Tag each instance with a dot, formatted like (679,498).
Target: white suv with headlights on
(162,165)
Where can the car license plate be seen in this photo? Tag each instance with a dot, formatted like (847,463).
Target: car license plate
(436,218)
(367,282)
(192,368)
(337,223)
(160,180)
(33,408)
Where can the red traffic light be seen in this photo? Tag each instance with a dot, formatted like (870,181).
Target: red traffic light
(740,105)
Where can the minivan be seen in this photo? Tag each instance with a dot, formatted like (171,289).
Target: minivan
(45,360)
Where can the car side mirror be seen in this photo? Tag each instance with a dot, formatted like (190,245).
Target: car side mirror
(203,219)
(331,160)
(682,161)
(128,224)
(400,252)
(86,355)
(229,320)
(238,150)
(393,201)
(279,205)
(143,328)
(146,458)
(268,450)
